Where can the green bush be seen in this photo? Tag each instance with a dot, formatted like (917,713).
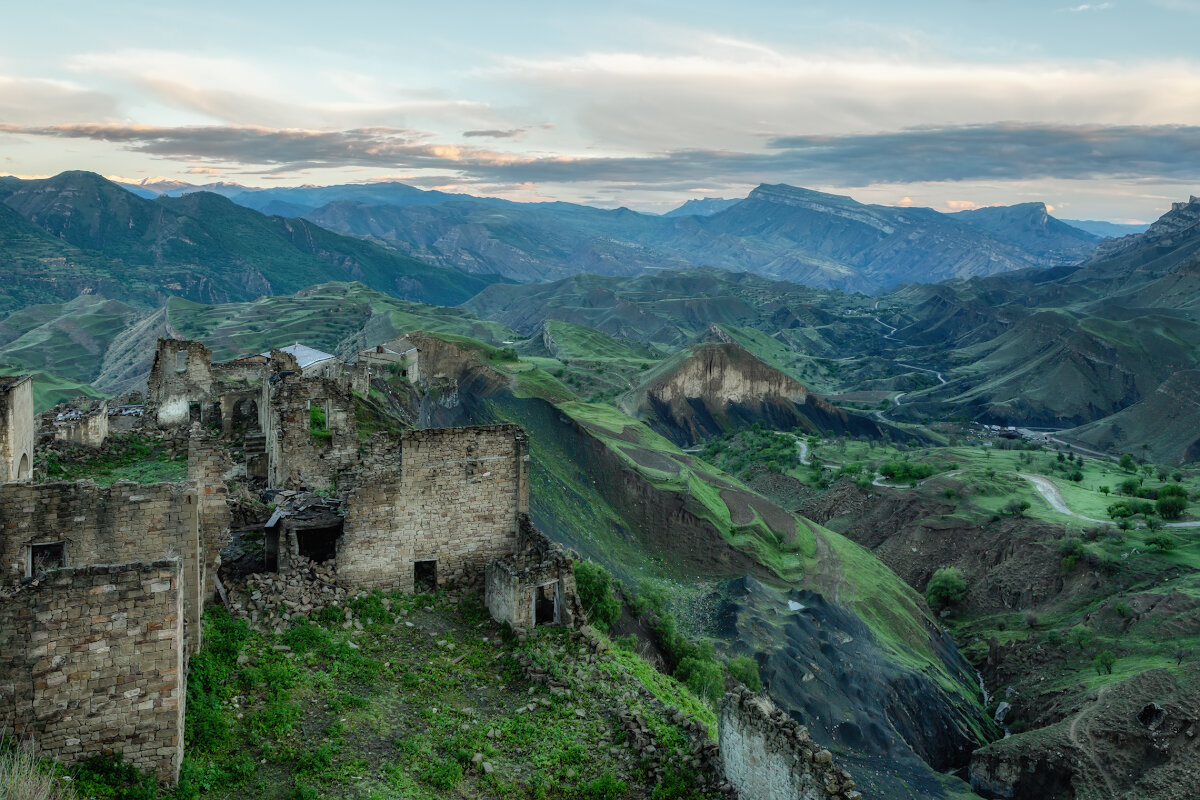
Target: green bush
(1171,506)
(110,777)
(703,676)
(946,587)
(1162,542)
(597,595)
(745,669)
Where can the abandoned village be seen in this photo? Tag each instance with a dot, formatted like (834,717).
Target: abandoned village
(102,589)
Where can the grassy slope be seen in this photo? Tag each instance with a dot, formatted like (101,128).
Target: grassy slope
(399,708)
(48,389)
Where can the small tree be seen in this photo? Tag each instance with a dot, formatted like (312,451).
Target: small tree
(1082,636)
(595,586)
(1104,661)
(946,587)
(1126,462)
(1017,507)
(1171,506)
(745,669)
(1104,490)
(1162,542)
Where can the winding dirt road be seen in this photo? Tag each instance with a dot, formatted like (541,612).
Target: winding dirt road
(1053,496)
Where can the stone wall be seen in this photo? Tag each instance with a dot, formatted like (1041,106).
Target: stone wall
(88,430)
(296,455)
(91,661)
(17,429)
(124,523)
(767,755)
(208,465)
(454,500)
(537,565)
(180,377)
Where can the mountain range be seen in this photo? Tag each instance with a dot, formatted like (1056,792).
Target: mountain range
(778,231)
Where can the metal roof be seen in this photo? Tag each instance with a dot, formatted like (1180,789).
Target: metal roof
(305,356)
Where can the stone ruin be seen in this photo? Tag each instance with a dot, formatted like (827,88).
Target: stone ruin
(767,755)
(111,582)
(17,432)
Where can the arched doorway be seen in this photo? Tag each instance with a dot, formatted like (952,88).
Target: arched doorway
(23,469)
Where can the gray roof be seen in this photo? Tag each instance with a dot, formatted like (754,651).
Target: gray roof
(305,356)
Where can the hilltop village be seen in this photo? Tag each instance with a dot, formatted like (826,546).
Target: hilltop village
(103,589)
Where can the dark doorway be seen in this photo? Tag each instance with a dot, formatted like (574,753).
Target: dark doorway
(245,414)
(425,575)
(545,604)
(45,557)
(318,544)
(193,412)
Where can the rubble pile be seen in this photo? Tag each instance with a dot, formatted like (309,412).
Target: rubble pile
(270,599)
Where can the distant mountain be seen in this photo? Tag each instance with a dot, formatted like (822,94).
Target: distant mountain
(1105,229)
(1030,227)
(780,232)
(702,207)
(78,232)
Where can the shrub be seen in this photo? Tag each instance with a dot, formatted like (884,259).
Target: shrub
(110,777)
(745,669)
(1104,661)
(1082,636)
(1162,542)
(1171,506)
(24,777)
(946,587)
(703,676)
(596,594)
(1016,508)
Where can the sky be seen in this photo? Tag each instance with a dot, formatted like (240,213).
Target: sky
(1092,108)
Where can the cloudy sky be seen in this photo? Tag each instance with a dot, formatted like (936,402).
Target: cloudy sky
(1090,107)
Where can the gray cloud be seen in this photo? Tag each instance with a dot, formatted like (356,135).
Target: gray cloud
(512,133)
(1002,151)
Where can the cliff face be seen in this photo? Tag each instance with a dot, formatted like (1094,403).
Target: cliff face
(714,387)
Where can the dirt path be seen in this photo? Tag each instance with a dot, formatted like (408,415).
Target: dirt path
(1087,746)
(923,369)
(1053,496)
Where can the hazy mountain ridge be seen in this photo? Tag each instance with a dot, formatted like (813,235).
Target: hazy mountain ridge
(779,231)
(97,236)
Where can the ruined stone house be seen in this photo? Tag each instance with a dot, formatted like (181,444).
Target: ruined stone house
(102,588)
(17,429)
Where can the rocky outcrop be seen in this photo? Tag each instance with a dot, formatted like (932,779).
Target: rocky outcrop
(717,386)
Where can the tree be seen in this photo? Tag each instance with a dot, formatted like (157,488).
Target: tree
(946,587)
(1104,661)
(1082,636)
(595,587)
(1171,506)
(1016,507)
(1126,462)
(1104,490)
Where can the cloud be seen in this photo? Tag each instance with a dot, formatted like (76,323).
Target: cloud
(512,133)
(994,152)
(1088,7)
(34,102)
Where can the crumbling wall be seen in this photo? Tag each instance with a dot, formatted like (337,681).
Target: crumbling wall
(124,523)
(181,376)
(85,427)
(17,429)
(767,755)
(298,455)
(91,661)
(208,465)
(513,582)
(455,499)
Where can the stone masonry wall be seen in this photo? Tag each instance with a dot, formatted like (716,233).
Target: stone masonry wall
(91,661)
(171,389)
(124,523)
(208,464)
(512,581)
(89,431)
(767,755)
(18,430)
(296,456)
(455,499)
